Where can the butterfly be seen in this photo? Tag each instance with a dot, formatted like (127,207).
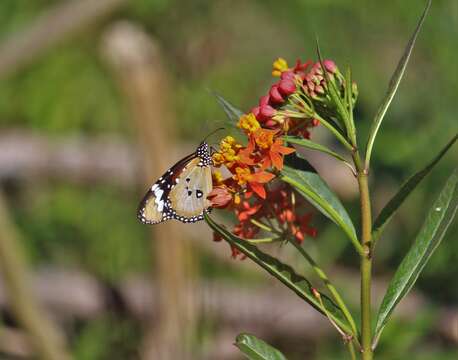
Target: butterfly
(181,193)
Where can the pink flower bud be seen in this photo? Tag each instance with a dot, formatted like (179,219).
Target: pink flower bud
(330,66)
(301,66)
(287,87)
(319,89)
(267,111)
(256,112)
(264,100)
(219,197)
(308,77)
(285,75)
(316,69)
(270,124)
(275,95)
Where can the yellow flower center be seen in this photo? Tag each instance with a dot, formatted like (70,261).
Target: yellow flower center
(264,139)
(248,123)
(279,66)
(217,177)
(228,152)
(242,175)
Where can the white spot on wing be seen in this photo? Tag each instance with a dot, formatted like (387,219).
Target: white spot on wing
(160,206)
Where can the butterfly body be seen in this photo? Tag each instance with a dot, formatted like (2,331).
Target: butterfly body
(181,193)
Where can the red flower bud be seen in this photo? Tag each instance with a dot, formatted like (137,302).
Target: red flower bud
(330,66)
(220,197)
(319,89)
(270,124)
(301,67)
(287,87)
(264,100)
(275,95)
(256,112)
(287,75)
(267,111)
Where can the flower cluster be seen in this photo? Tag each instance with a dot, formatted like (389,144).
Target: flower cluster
(244,181)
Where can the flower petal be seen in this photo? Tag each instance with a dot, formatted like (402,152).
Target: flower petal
(261,177)
(277,160)
(258,189)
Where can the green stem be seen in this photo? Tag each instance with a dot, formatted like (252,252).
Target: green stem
(262,240)
(336,132)
(335,294)
(351,349)
(366,259)
(262,226)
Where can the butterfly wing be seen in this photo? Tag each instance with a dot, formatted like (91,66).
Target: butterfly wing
(188,199)
(154,207)
(181,193)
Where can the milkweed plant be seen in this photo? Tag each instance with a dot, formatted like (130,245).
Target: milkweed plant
(269,187)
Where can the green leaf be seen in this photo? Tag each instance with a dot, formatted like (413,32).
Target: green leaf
(396,201)
(257,349)
(393,87)
(304,178)
(284,273)
(231,111)
(428,239)
(313,146)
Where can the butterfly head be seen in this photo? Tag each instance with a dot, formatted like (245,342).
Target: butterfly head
(203,152)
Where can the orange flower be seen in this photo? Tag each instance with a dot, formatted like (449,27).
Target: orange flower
(264,137)
(255,181)
(246,155)
(276,154)
(242,175)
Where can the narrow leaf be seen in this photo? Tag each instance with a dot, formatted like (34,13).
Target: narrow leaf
(313,146)
(284,273)
(231,111)
(397,200)
(428,239)
(393,86)
(304,178)
(257,349)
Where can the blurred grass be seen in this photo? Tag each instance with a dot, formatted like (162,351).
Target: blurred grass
(228,46)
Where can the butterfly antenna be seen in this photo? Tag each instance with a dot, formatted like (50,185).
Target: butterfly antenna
(213,132)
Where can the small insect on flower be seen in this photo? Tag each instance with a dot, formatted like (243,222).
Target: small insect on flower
(181,193)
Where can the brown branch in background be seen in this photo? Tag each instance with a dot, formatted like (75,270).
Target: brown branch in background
(46,339)
(137,64)
(55,25)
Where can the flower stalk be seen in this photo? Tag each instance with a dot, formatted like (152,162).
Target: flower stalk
(335,294)
(366,259)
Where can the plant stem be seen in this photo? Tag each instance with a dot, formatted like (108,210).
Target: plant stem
(335,294)
(351,349)
(366,259)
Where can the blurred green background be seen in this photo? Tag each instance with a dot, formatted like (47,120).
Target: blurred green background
(69,92)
